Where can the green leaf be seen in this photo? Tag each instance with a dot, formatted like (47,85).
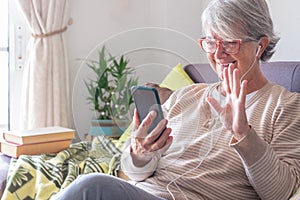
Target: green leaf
(109,92)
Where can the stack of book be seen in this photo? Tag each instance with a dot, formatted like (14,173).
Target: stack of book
(37,141)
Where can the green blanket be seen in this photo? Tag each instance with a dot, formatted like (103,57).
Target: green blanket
(39,177)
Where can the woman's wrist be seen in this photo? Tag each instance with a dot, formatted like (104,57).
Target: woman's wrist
(240,136)
(250,148)
(140,160)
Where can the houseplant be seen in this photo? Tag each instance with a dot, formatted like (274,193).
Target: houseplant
(109,93)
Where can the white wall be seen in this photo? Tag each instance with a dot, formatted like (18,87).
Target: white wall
(286,18)
(154,34)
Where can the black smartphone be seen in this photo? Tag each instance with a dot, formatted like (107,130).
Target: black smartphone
(146,99)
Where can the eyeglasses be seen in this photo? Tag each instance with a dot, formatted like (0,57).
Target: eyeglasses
(210,45)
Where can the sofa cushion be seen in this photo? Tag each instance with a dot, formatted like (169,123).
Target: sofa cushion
(176,78)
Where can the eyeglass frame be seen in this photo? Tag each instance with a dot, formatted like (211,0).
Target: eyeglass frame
(220,42)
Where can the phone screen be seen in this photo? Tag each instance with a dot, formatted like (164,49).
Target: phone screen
(146,99)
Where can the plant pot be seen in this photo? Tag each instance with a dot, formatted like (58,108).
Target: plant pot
(110,128)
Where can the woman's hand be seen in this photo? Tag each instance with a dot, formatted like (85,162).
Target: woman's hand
(143,145)
(233,114)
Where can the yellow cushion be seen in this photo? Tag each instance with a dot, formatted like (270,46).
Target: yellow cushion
(176,79)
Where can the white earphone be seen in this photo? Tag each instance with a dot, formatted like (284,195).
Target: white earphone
(258,50)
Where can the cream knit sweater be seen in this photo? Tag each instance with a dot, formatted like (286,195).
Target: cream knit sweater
(204,162)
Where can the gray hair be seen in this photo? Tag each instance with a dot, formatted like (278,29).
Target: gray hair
(241,19)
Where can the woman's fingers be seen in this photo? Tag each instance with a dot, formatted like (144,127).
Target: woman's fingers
(214,104)
(232,80)
(243,92)
(142,129)
(236,82)
(157,131)
(148,142)
(136,121)
(166,145)
(230,77)
(226,81)
(162,140)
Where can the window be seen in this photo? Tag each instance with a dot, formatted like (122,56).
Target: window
(13,39)
(4,65)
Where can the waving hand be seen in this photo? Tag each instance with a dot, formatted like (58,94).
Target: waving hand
(233,114)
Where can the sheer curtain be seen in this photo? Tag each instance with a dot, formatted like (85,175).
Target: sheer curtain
(46,93)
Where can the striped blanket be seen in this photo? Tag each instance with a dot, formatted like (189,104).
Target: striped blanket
(39,177)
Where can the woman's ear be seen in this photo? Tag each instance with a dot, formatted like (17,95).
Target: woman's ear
(263,43)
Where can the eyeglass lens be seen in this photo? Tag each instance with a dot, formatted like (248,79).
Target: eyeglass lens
(230,47)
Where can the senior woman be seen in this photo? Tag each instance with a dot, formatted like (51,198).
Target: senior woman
(235,139)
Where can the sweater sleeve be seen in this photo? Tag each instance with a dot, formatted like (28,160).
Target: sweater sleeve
(138,173)
(273,168)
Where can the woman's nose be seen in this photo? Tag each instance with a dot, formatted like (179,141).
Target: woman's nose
(219,51)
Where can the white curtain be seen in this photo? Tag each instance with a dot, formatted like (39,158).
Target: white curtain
(46,93)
